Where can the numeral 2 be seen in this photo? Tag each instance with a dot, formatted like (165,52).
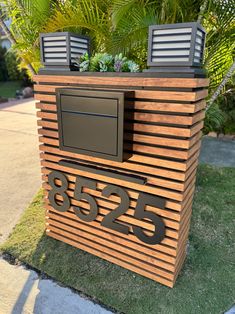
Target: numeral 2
(109,219)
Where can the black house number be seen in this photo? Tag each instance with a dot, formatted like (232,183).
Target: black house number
(110,220)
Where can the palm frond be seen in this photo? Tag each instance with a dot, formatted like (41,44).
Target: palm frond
(219,21)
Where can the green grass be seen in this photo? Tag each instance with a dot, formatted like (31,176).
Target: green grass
(205,285)
(8,89)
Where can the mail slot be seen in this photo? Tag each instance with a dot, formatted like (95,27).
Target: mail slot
(91,122)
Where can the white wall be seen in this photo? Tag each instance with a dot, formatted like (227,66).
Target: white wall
(5,43)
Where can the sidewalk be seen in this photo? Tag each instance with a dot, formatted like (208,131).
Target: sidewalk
(21,290)
(26,293)
(218,152)
(19,161)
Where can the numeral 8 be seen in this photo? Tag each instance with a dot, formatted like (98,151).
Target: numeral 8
(60,190)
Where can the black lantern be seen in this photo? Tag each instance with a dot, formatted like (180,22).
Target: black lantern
(59,51)
(176,48)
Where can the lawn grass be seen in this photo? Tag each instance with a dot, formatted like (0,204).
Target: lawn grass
(205,285)
(8,89)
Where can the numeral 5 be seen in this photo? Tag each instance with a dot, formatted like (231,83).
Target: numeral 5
(79,195)
(141,213)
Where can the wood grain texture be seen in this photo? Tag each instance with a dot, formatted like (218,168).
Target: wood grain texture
(123,81)
(162,137)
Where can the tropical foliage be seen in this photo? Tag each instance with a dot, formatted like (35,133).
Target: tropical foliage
(121,26)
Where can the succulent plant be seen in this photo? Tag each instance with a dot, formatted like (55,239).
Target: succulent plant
(84,66)
(133,67)
(104,62)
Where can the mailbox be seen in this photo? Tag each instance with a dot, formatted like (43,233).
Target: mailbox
(134,209)
(91,122)
(135,213)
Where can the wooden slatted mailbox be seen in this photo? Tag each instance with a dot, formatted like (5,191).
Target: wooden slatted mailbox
(119,151)
(119,154)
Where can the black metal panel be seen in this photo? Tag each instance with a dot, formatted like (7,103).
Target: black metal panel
(91,122)
(104,172)
(93,133)
(88,105)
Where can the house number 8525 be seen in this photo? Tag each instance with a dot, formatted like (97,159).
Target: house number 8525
(109,221)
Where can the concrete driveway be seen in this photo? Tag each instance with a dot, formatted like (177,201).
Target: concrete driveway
(19,161)
(21,290)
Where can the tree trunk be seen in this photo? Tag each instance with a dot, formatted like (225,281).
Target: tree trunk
(222,84)
(202,11)
(13,41)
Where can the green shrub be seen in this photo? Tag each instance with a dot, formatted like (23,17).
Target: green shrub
(3,68)
(226,103)
(214,119)
(12,64)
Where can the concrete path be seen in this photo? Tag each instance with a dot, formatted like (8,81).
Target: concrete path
(19,161)
(218,152)
(21,291)
(26,293)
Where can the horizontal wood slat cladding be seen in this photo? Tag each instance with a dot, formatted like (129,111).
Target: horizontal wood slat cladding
(162,135)
(129,81)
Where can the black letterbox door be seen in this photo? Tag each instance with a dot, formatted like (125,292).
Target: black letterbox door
(91,122)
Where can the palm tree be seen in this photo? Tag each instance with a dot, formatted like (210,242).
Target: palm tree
(13,41)
(122,26)
(131,19)
(28,19)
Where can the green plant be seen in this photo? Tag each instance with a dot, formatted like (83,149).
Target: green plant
(214,119)
(226,103)
(122,26)
(12,64)
(3,68)
(131,19)
(219,22)
(28,20)
(103,62)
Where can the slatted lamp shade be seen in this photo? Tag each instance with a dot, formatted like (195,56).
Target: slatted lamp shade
(60,50)
(176,45)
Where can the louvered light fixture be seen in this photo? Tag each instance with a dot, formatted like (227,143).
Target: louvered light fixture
(60,50)
(176,48)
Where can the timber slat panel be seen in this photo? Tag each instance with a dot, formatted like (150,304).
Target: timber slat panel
(110,258)
(146,117)
(159,259)
(162,136)
(147,169)
(103,245)
(138,127)
(172,205)
(151,180)
(123,81)
(147,106)
(115,200)
(105,205)
(122,244)
(146,139)
(167,246)
(142,149)
(142,94)
(145,188)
